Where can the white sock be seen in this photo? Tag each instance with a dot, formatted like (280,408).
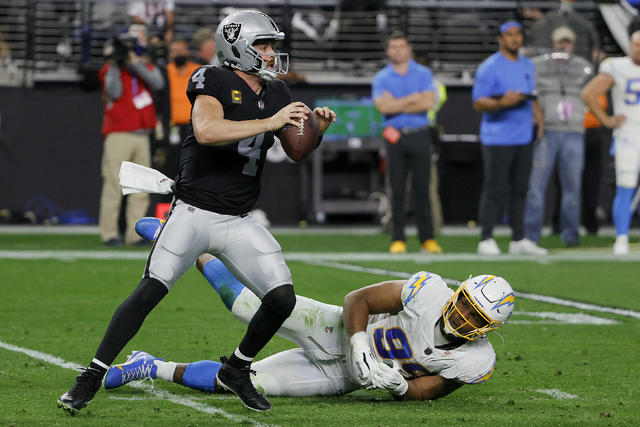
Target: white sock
(241,356)
(165,370)
(99,363)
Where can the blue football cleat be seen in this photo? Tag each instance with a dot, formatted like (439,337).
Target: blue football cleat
(138,367)
(149,227)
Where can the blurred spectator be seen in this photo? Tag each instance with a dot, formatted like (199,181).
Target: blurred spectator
(179,70)
(597,139)
(8,70)
(621,77)
(157,15)
(504,91)
(127,79)
(403,92)
(205,44)
(560,77)
(435,127)
(587,39)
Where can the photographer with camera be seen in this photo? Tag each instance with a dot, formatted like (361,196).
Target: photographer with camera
(127,80)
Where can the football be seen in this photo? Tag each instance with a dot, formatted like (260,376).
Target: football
(299,141)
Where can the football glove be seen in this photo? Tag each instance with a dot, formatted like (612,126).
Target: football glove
(389,378)
(363,361)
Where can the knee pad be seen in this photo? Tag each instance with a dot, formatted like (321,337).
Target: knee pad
(148,293)
(280,300)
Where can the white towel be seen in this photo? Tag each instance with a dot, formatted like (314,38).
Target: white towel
(135,178)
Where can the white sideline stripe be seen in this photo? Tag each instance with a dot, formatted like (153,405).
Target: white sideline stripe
(561,318)
(525,295)
(161,394)
(557,394)
(327,260)
(364,230)
(600,254)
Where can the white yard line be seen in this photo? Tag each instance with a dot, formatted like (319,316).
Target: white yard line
(561,318)
(364,230)
(603,254)
(330,260)
(524,295)
(160,394)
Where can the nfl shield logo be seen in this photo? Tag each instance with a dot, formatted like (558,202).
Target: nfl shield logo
(230,32)
(261,105)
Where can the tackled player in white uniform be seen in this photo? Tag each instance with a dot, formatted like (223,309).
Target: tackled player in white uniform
(419,340)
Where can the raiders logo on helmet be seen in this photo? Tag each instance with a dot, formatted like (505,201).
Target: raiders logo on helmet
(231,32)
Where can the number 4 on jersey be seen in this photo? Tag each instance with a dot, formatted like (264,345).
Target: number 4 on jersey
(251,148)
(198,77)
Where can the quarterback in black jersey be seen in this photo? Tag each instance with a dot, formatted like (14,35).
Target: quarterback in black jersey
(224,176)
(236,110)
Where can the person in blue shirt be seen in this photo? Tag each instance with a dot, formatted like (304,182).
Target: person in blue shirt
(403,92)
(504,92)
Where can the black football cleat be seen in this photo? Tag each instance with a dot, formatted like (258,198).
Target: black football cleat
(80,395)
(238,381)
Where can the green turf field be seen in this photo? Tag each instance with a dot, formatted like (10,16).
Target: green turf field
(560,363)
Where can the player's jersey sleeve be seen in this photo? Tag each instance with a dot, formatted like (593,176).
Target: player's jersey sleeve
(474,363)
(206,80)
(415,291)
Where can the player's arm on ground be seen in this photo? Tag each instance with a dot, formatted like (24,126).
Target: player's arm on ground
(211,128)
(429,388)
(599,85)
(358,305)
(384,297)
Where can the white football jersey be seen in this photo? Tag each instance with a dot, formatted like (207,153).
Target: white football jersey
(408,337)
(625,94)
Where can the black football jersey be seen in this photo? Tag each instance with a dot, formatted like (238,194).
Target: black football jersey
(226,179)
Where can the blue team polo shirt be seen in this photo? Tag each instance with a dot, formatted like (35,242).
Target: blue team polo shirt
(495,76)
(417,79)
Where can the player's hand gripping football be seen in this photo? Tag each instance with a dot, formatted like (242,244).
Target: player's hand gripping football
(288,115)
(324,116)
(364,363)
(389,378)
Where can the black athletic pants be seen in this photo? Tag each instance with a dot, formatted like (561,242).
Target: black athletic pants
(411,153)
(506,170)
(596,142)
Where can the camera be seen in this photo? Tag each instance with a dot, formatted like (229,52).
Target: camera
(121,45)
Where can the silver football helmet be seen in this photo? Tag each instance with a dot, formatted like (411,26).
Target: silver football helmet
(235,37)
